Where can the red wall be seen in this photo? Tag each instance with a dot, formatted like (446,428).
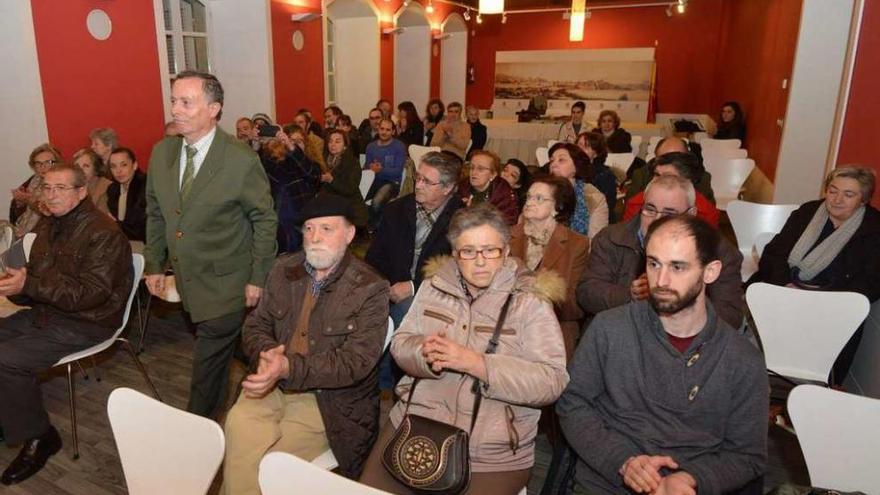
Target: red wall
(756,53)
(686,47)
(299,75)
(859,141)
(89,83)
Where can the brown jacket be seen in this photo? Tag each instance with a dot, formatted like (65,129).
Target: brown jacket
(453,136)
(347,332)
(566,254)
(617,258)
(526,372)
(79,268)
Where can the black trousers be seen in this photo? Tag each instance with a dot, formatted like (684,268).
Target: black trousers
(214,347)
(32,341)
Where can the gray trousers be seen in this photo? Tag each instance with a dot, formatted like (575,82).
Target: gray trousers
(214,347)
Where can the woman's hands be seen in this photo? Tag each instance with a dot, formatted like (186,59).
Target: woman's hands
(441,354)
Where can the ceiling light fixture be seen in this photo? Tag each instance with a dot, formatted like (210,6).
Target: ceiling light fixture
(681,6)
(479,19)
(578,15)
(503,18)
(467,15)
(430,8)
(491,6)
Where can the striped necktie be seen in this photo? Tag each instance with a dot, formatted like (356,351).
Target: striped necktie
(188,172)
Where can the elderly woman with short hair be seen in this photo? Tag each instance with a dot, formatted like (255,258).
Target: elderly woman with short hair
(486,185)
(104,141)
(443,340)
(25,208)
(617,138)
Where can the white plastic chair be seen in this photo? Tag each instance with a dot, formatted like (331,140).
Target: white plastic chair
(163,449)
(327,460)
(542,154)
(416,152)
(27,243)
(652,143)
(284,474)
(728,144)
(636,144)
(728,178)
(718,156)
(367,177)
(7,236)
(761,242)
(749,220)
(619,164)
(803,331)
(362,159)
(551,142)
(838,434)
(71,359)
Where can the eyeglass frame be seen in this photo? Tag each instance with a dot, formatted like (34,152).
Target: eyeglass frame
(46,188)
(479,253)
(417,178)
(49,162)
(655,213)
(538,199)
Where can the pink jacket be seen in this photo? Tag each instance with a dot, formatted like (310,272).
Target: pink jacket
(526,372)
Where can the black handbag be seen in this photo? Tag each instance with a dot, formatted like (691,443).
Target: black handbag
(429,456)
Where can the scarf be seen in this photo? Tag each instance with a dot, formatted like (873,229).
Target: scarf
(580,221)
(537,240)
(811,263)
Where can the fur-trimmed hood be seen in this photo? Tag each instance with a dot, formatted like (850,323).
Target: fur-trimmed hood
(547,285)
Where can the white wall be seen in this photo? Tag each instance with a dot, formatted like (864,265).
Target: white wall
(453,66)
(356,46)
(22,114)
(815,88)
(412,65)
(240,50)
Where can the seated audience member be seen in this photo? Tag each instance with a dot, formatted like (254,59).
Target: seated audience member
(640,176)
(593,144)
(517,174)
(343,177)
(617,139)
(354,143)
(261,119)
(410,129)
(442,343)
(127,195)
(385,157)
(413,229)
(96,183)
(830,244)
(452,134)
(485,185)
(314,340)
(591,210)
(386,107)
(615,272)
(293,181)
(571,129)
(434,114)
(27,207)
(248,133)
(684,165)
(104,140)
(314,143)
(731,123)
(479,133)
(544,241)
(76,283)
(314,127)
(369,129)
(331,116)
(665,397)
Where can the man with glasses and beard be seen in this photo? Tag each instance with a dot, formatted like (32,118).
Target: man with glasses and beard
(665,397)
(314,342)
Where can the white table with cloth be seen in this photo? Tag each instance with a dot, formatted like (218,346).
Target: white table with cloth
(511,139)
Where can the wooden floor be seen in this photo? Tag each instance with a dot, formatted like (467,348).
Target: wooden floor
(168,361)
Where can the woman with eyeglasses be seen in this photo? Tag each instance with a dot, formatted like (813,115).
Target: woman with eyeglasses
(26,207)
(442,341)
(485,185)
(544,242)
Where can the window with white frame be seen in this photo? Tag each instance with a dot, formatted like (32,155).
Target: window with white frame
(186,35)
(331,63)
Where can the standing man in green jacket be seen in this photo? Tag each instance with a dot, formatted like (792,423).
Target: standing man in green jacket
(209,212)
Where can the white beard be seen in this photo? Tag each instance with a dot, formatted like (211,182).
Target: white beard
(321,259)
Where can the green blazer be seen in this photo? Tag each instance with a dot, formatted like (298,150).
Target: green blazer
(222,237)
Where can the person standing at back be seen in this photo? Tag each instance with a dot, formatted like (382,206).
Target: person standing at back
(209,213)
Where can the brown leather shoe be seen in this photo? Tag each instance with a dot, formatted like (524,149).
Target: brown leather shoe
(32,457)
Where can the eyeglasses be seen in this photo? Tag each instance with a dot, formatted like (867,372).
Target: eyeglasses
(481,169)
(48,163)
(537,198)
(419,178)
(46,189)
(471,253)
(651,212)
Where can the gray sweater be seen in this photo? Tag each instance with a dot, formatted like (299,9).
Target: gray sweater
(631,393)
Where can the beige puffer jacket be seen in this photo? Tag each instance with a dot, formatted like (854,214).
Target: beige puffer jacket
(526,372)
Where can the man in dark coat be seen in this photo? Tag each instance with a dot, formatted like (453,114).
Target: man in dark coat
(314,342)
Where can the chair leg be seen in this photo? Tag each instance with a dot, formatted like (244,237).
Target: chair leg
(140,366)
(82,370)
(144,323)
(72,399)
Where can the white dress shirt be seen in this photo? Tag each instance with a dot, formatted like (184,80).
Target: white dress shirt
(202,146)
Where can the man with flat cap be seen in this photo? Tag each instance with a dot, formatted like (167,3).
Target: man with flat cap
(314,342)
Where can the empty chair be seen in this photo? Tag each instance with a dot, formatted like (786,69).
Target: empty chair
(749,220)
(728,178)
(728,144)
(416,152)
(285,474)
(542,154)
(838,434)
(803,331)
(163,449)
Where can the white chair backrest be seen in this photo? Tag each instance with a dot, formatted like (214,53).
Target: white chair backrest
(416,152)
(751,219)
(163,449)
(700,136)
(7,236)
(620,161)
(716,157)
(27,243)
(636,144)
(729,176)
(363,159)
(838,434)
(803,331)
(761,242)
(367,177)
(389,334)
(551,142)
(283,474)
(727,144)
(542,154)
(652,143)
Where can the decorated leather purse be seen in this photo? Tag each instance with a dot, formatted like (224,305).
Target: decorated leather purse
(429,456)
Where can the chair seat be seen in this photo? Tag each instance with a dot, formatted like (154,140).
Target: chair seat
(749,265)
(95,349)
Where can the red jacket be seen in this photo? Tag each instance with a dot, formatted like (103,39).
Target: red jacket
(705,209)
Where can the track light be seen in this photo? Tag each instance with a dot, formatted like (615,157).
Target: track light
(503,18)
(467,15)
(681,6)
(430,8)
(479,19)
